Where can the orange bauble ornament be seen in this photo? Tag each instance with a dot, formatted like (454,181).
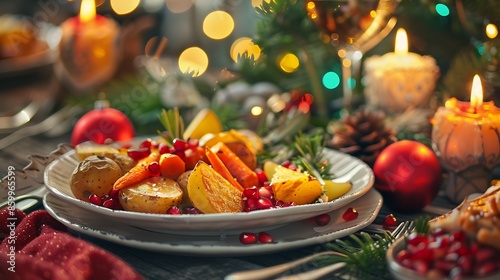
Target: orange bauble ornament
(102,125)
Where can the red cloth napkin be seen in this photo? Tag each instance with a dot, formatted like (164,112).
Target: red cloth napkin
(40,248)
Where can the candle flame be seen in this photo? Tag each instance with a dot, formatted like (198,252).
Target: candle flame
(87,11)
(476,93)
(401,46)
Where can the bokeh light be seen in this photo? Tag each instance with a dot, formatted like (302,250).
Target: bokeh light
(289,63)
(491,31)
(218,25)
(179,6)
(123,7)
(244,45)
(193,61)
(331,80)
(257,3)
(442,10)
(256,111)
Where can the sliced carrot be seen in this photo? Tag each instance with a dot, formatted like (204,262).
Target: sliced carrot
(193,156)
(243,174)
(171,166)
(219,166)
(138,173)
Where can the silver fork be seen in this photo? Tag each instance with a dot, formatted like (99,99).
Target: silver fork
(264,273)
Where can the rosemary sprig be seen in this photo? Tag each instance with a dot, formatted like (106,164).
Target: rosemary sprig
(364,255)
(173,123)
(310,155)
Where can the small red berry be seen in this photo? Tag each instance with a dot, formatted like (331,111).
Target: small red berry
(248,238)
(390,222)
(154,168)
(174,210)
(350,214)
(265,237)
(322,220)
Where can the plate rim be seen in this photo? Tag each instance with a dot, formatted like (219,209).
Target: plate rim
(218,250)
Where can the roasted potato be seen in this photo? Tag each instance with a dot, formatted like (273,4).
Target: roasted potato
(294,186)
(212,193)
(94,175)
(151,195)
(182,180)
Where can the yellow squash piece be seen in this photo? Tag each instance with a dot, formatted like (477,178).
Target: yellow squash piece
(294,186)
(335,190)
(211,193)
(206,121)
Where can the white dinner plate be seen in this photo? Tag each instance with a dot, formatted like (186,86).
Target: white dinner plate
(345,167)
(294,235)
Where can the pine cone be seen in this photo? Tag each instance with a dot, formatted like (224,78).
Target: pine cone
(363,135)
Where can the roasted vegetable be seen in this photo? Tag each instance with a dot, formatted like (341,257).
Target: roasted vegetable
(151,195)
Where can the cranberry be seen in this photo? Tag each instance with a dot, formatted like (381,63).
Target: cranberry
(154,169)
(322,219)
(95,199)
(265,237)
(350,214)
(174,210)
(248,238)
(137,154)
(390,222)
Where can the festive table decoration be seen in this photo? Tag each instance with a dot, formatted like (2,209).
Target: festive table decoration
(102,125)
(466,137)
(408,174)
(362,134)
(88,49)
(400,80)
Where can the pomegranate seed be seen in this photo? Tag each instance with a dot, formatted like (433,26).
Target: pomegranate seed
(174,210)
(110,203)
(251,192)
(180,145)
(283,204)
(163,148)
(181,154)
(265,237)
(390,222)
(444,266)
(416,238)
(191,210)
(266,192)
(251,204)
(137,154)
(193,143)
(292,167)
(484,254)
(145,144)
(286,163)
(114,193)
(459,236)
(322,220)
(421,267)
(350,214)
(402,255)
(264,203)
(248,238)
(105,197)
(467,264)
(154,169)
(487,268)
(94,199)
(261,176)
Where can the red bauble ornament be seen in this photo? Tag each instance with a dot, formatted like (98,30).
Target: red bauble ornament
(408,174)
(102,125)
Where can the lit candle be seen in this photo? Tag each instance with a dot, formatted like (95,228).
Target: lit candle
(88,49)
(400,80)
(466,137)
